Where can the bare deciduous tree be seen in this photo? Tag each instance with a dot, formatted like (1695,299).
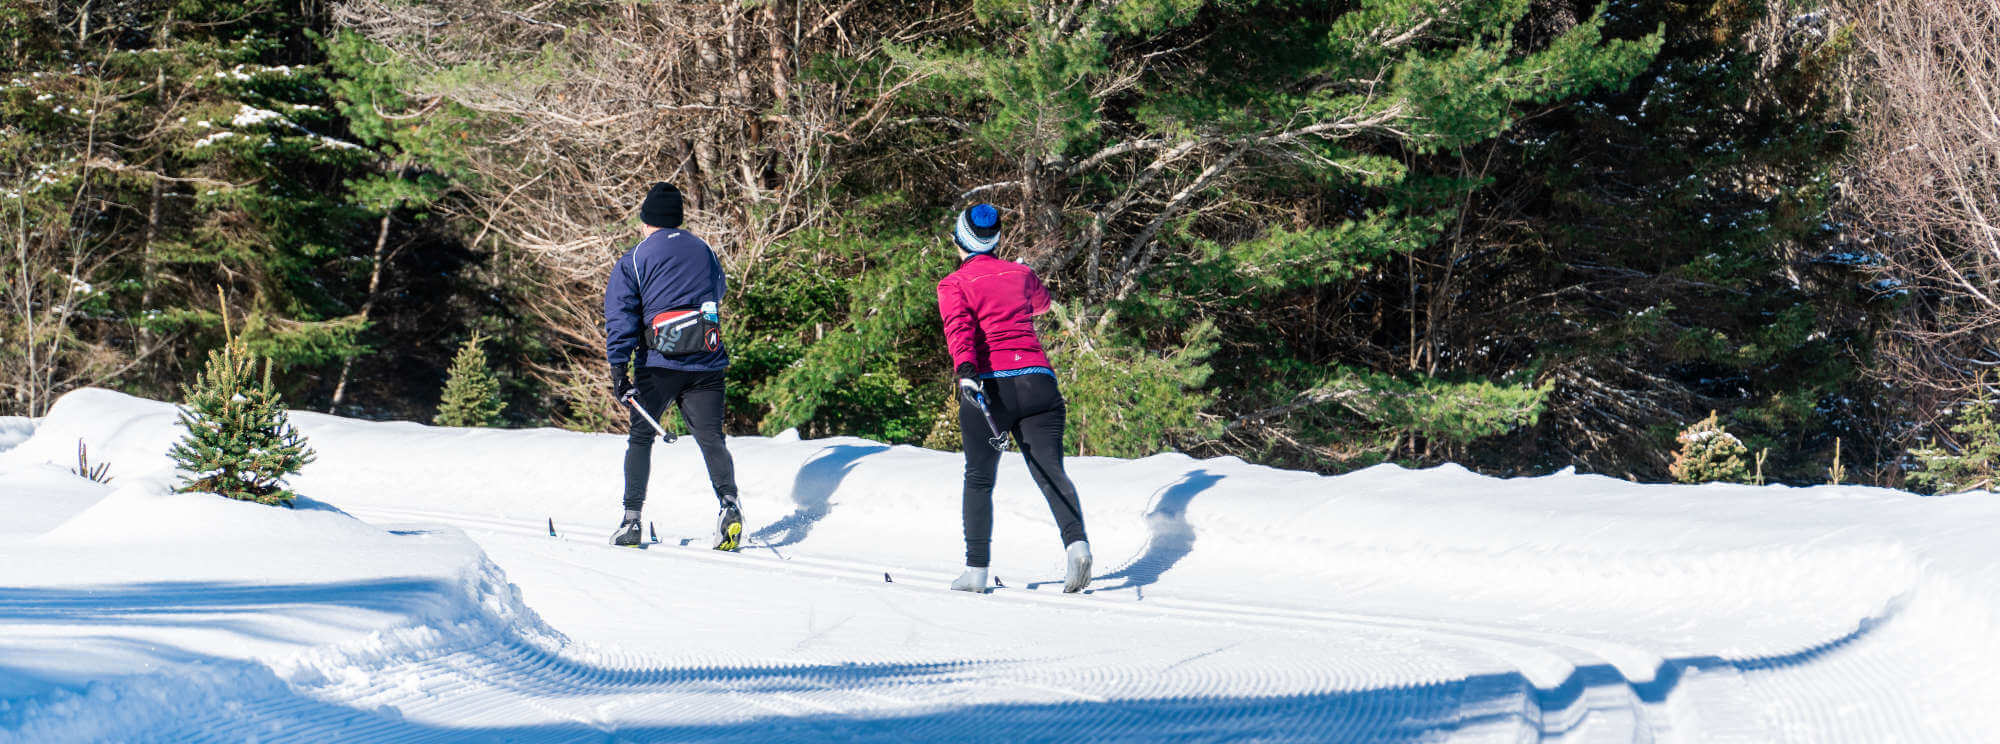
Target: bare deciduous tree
(52,270)
(1926,184)
(569,128)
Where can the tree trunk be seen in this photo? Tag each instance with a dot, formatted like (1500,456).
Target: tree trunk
(780,54)
(153,204)
(146,256)
(367,306)
(738,40)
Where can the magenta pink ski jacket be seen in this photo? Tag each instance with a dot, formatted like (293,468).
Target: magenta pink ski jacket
(989,305)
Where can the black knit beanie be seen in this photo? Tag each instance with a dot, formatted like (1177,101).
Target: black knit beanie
(662,207)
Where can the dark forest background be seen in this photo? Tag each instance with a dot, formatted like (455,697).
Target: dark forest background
(1517,235)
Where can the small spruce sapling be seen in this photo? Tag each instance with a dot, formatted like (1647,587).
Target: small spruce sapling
(471,393)
(239,442)
(1709,453)
(1974,463)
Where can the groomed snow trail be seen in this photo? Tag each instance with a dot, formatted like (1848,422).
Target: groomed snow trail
(1234,602)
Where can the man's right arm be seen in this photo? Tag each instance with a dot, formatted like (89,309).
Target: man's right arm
(621,314)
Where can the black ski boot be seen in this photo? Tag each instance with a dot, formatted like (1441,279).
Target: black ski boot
(630,533)
(728,522)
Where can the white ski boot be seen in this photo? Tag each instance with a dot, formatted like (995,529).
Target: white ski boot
(1079,567)
(973,580)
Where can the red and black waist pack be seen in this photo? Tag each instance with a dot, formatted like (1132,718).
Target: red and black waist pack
(684,331)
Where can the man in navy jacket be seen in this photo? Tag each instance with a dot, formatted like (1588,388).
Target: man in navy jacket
(670,269)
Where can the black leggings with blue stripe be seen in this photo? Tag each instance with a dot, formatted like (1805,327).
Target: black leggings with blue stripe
(1031,409)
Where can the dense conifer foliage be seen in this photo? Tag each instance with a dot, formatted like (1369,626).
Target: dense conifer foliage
(1520,235)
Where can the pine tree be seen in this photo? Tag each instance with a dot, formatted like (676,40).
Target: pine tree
(1168,162)
(1710,453)
(186,144)
(1670,285)
(1974,463)
(1127,401)
(239,442)
(471,393)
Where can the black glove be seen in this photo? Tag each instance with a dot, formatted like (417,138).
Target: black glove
(621,385)
(968,385)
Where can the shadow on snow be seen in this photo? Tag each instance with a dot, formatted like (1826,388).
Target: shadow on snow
(812,492)
(1169,535)
(234,698)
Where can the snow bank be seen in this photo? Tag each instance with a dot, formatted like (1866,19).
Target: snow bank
(1433,542)
(1825,593)
(127,610)
(15,430)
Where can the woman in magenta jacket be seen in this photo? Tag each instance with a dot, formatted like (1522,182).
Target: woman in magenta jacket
(988,306)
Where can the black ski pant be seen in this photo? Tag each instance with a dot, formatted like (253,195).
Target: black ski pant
(700,397)
(1031,409)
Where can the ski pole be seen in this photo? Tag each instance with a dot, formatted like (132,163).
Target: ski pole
(999,440)
(665,435)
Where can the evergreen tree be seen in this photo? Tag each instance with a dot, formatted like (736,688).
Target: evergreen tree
(239,442)
(1171,161)
(160,148)
(1666,247)
(1974,463)
(1127,401)
(1710,453)
(862,377)
(471,393)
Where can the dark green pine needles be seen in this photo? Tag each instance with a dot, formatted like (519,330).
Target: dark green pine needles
(471,393)
(239,443)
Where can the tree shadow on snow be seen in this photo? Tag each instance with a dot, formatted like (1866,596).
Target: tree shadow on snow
(232,699)
(126,603)
(1403,713)
(256,611)
(812,492)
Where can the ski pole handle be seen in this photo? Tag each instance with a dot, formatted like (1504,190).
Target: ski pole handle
(976,398)
(665,435)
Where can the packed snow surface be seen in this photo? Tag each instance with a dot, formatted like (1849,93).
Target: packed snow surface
(14,430)
(417,594)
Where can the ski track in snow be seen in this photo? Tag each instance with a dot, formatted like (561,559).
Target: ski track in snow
(1566,688)
(798,636)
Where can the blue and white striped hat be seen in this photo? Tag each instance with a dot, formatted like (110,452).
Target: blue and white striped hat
(978,229)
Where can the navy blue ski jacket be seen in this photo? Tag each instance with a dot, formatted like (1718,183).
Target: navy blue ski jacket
(670,269)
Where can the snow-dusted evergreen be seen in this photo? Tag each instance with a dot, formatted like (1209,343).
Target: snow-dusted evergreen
(1710,453)
(240,442)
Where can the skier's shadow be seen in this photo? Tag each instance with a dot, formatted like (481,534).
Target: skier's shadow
(812,492)
(1171,538)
